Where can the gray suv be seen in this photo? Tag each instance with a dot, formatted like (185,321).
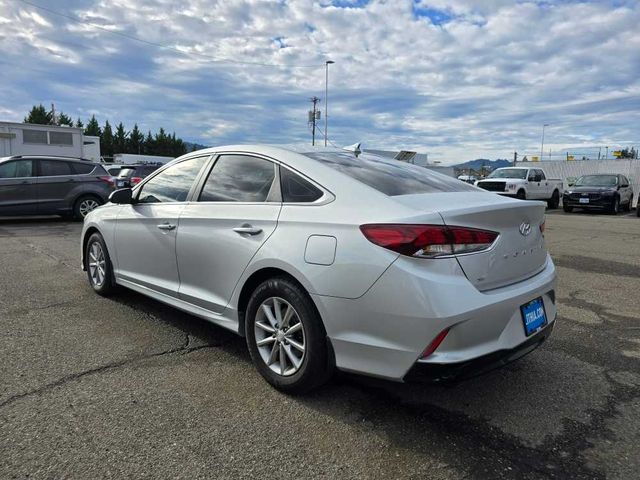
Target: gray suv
(44,185)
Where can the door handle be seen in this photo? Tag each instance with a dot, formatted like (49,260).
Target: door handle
(166,226)
(247,229)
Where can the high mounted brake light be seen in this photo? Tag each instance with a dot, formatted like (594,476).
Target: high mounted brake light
(429,241)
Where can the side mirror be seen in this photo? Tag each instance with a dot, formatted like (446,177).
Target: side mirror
(570,184)
(626,185)
(121,196)
(532,179)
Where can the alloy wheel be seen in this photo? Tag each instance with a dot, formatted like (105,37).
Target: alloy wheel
(280,336)
(86,206)
(97,264)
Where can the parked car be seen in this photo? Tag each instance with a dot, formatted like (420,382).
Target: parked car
(45,185)
(609,192)
(468,179)
(131,175)
(524,183)
(322,259)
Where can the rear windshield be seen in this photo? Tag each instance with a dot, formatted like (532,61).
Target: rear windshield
(390,177)
(125,172)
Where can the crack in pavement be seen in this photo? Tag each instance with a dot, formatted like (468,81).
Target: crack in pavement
(183,349)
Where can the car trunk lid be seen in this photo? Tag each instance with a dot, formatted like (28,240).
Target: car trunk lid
(518,252)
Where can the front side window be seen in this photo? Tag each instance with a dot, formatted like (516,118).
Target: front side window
(172,184)
(16,169)
(540,174)
(296,189)
(55,168)
(239,178)
(390,177)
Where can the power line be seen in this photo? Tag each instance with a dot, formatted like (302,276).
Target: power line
(162,46)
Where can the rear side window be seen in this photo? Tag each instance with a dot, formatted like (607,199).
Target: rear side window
(16,169)
(239,178)
(82,168)
(390,177)
(173,183)
(296,189)
(54,168)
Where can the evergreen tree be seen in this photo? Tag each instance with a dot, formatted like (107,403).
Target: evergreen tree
(64,119)
(120,139)
(39,115)
(106,140)
(93,128)
(79,123)
(149,147)
(135,141)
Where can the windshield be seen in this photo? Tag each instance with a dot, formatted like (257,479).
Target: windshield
(597,181)
(509,173)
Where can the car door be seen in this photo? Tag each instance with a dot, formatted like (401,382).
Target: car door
(18,190)
(534,188)
(235,211)
(625,190)
(56,179)
(145,234)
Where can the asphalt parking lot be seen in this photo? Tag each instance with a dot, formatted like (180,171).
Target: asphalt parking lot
(127,387)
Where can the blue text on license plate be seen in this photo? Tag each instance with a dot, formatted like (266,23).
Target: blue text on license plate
(533,316)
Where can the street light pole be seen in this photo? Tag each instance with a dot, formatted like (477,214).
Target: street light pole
(326,97)
(542,143)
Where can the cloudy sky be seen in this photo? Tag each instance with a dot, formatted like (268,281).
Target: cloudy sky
(459,79)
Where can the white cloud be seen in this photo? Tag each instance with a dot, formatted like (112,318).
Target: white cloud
(456,78)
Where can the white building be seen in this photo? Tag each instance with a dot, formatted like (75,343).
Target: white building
(30,139)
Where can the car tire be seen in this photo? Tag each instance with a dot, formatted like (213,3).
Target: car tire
(521,195)
(615,206)
(567,208)
(554,201)
(84,204)
(293,359)
(98,265)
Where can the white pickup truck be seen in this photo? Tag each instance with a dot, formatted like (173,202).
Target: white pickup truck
(524,183)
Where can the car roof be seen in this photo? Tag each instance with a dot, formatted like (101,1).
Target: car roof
(50,157)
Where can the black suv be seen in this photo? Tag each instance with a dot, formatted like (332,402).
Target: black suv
(43,185)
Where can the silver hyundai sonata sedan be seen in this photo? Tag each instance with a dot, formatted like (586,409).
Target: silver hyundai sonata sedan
(323,259)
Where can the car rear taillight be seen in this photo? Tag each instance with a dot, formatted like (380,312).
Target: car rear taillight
(108,179)
(435,343)
(428,241)
(135,180)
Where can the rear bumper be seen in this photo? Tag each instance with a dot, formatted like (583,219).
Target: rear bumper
(384,332)
(452,372)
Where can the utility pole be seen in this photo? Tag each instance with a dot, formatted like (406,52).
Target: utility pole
(326,97)
(515,158)
(542,143)
(53,114)
(606,155)
(313,116)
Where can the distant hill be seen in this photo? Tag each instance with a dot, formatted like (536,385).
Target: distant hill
(194,146)
(478,163)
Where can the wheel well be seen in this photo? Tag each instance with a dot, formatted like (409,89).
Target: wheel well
(90,231)
(87,195)
(252,283)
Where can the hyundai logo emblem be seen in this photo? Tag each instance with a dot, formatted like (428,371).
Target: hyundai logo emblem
(525,228)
